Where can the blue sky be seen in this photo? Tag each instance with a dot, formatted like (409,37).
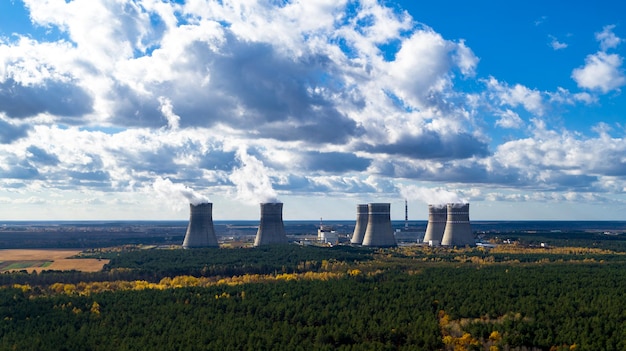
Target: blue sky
(133,109)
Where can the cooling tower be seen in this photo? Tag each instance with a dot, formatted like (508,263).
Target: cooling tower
(437,217)
(200,231)
(361,224)
(458,231)
(379,232)
(271,229)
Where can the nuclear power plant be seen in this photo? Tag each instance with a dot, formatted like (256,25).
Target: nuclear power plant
(361,224)
(200,231)
(271,229)
(437,217)
(448,225)
(458,231)
(379,232)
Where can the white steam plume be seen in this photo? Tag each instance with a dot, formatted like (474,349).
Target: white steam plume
(431,196)
(252,180)
(165,188)
(173,120)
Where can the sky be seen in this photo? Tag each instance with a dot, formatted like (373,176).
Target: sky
(133,109)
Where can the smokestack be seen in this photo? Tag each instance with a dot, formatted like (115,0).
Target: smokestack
(458,231)
(200,231)
(271,229)
(437,217)
(361,224)
(406,215)
(379,232)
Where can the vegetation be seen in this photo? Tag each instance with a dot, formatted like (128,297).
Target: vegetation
(291,297)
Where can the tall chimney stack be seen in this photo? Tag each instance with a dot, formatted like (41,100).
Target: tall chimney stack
(406,215)
(379,231)
(200,231)
(437,217)
(361,224)
(458,230)
(271,228)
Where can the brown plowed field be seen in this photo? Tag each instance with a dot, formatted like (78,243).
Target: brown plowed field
(59,257)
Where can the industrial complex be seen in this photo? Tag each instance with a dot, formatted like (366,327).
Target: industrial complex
(448,225)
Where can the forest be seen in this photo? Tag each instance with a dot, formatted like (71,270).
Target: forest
(312,298)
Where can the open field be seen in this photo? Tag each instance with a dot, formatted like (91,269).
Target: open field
(47,259)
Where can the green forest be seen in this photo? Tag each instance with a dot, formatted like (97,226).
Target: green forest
(291,297)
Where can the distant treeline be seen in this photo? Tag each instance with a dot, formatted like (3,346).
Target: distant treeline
(228,262)
(155,264)
(94,239)
(569,238)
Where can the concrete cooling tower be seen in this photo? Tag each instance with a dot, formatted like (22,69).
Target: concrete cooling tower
(361,224)
(271,229)
(437,217)
(458,231)
(200,231)
(379,231)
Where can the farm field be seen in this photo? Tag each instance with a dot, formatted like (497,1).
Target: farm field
(47,259)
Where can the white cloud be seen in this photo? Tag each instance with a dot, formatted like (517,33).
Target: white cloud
(601,72)
(431,196)
(531,100)
(466,60)
(556,44)
(332,98)
(509,119)
(608,39)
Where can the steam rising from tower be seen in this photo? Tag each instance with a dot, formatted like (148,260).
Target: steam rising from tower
(458,230)
(379,231)
(271,229)
(437,216)
(200,231)
(361,224)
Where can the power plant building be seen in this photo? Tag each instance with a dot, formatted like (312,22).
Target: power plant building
(200,231)
(271,228)
(379,232)
(458,231)
(361,224)
(437,217)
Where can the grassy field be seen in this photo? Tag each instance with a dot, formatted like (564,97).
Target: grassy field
(47,259)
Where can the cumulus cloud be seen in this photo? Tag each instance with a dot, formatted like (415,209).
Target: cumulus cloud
(509,119)
(601,72)
(515,96)
(608,39)
(328,97)
(432,196)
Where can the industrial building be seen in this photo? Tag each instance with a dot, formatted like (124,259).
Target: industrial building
(458,231)
(271,228)
(200,231)
(327,235)
(437,217)
(379,232)
(361,224)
